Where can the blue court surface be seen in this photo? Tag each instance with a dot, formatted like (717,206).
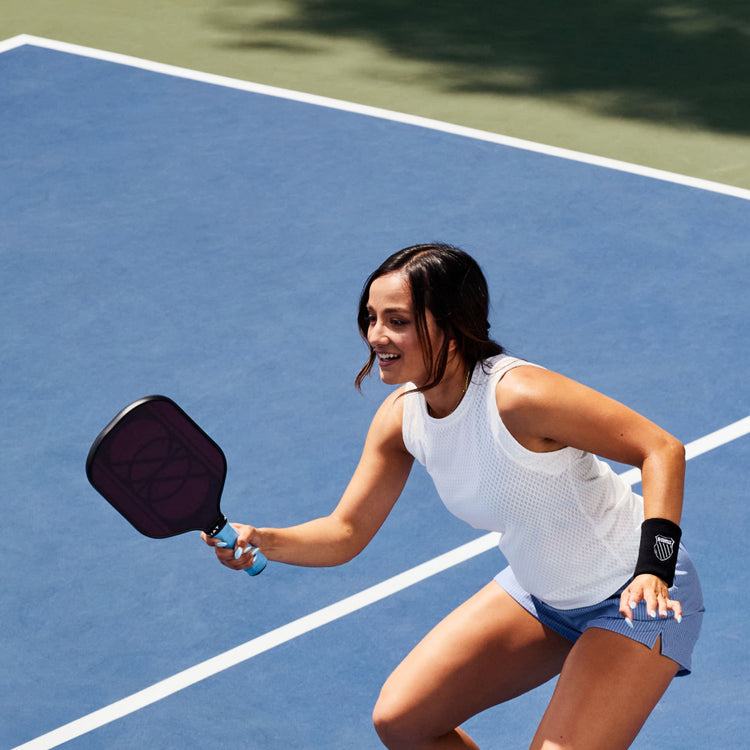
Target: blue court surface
(163,232)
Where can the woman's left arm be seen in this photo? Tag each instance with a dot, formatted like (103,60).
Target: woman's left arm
(545,411)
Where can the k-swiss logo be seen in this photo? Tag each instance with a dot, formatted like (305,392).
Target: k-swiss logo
(663,547)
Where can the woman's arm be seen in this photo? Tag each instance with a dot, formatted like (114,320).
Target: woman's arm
(368,499)
(545,411)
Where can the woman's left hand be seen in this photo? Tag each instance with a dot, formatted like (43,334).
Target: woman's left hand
(652,590)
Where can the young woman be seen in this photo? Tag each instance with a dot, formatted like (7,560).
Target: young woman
(598,589)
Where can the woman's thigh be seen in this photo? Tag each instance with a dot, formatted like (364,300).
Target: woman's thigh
(608,687)
(487,651)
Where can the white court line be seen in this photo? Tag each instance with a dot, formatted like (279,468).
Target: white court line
(318,619)
(383,114)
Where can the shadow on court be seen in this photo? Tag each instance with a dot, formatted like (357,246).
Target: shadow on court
(680,63)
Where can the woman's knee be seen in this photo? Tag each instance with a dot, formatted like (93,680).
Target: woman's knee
(393,722)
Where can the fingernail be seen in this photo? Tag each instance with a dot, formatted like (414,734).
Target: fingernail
(633,605)
(221,544)
(678,618)
(652,614)
(629,623)
(238,552)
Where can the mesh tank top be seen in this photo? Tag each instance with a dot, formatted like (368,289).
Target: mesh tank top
(570,526)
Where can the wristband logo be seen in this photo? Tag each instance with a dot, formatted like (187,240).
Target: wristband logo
(663,547)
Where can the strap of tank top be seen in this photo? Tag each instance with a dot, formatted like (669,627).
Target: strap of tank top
(506,364)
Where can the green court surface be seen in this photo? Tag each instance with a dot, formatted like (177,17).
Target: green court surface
(658,83)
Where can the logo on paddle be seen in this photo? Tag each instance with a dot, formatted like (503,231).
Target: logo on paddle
(159,468)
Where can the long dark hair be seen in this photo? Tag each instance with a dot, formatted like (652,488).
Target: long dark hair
(450,284)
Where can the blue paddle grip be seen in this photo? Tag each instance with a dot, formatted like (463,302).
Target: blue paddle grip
(229,536)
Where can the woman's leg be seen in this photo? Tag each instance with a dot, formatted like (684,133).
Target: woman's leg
(488,650)
(606,691)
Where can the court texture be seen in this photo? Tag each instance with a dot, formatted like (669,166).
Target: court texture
(164,230)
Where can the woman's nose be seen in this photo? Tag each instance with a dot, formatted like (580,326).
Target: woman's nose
(376,333)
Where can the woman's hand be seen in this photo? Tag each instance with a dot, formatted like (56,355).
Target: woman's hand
(654,592)
(241,556)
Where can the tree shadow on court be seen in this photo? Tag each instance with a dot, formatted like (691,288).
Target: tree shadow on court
(685,63)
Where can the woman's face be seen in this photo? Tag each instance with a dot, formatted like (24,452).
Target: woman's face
(392,331)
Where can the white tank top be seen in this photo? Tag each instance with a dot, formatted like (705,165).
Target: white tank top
(570,526)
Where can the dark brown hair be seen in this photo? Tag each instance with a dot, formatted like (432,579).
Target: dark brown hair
(450,284)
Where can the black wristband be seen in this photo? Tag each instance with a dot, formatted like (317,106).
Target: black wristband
(660,540)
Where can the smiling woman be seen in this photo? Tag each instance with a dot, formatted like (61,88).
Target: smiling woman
(598,588)
(392,334)
(439,290)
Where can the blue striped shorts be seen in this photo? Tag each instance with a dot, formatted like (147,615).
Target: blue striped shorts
(677,638)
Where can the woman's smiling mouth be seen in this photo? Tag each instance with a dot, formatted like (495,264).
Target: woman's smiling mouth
(386,358)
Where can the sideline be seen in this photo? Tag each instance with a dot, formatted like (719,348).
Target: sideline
(383,114)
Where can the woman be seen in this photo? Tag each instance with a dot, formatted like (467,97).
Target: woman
(589,592)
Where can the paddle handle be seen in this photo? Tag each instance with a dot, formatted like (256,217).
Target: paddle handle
(229,536)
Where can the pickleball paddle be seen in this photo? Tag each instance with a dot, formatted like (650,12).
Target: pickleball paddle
(163,473)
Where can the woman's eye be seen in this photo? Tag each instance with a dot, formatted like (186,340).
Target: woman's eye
(393,322)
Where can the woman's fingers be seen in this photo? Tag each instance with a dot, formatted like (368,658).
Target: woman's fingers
(654,593)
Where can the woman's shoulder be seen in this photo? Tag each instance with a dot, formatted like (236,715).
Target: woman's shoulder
(528,399)
(386,425)
(520,384)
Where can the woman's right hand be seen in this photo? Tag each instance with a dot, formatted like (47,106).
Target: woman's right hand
(234,558)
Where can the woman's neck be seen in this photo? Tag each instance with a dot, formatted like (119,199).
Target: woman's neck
(444,398)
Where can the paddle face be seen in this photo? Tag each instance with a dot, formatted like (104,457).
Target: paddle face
(155,466)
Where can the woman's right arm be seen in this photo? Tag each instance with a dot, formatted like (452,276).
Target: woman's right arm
(368,499)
